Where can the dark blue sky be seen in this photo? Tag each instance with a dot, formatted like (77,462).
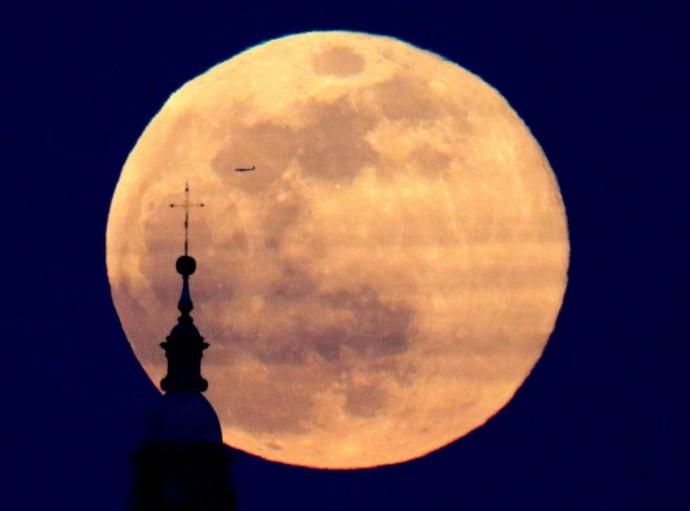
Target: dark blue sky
(602,423)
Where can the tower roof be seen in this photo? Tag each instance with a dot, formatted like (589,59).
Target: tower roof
(183,417)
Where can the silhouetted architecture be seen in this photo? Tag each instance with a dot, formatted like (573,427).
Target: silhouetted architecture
(184,346)
(183,465)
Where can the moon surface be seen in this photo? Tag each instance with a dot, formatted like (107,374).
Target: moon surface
(384,281)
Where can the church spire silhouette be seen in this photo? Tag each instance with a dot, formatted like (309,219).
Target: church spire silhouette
(183,464)
(184,346)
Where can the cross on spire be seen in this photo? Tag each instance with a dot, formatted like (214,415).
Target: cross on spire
(186,205)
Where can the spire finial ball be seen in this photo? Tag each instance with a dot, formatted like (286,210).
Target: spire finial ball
(185,265)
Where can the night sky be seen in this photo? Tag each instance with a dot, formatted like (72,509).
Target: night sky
(602,422)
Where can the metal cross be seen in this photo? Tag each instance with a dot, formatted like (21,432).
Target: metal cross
(186,205)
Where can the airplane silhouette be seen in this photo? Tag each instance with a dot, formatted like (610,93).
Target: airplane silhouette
(246,169)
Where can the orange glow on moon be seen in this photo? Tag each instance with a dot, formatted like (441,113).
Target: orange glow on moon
(384,281)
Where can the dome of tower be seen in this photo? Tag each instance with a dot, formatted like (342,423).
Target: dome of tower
(185,417)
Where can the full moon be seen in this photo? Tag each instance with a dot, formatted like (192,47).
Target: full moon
(386,278)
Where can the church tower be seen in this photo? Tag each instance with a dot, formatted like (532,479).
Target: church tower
(183,464)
